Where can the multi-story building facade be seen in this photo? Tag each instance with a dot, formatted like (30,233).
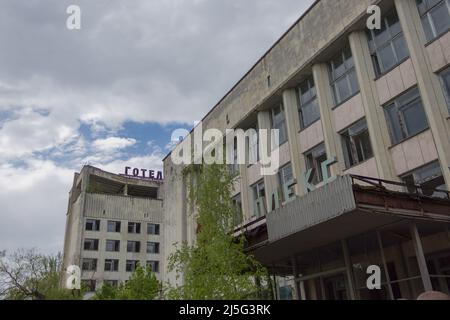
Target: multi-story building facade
(114,222)
(373,105)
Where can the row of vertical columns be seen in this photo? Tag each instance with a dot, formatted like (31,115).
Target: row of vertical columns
(428,82)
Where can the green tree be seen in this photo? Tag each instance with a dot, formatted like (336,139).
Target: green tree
(27,274)
(142,285)
(216,266)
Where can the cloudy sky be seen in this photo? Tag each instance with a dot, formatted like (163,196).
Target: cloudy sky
(111,93)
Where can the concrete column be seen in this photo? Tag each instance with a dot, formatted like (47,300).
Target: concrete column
(245,192)
(383,259)
(348,265)
(270,182)
(421,261)
(326,104)
(297,289)
(293,127)
(376,120)
(429,85)
(125,190)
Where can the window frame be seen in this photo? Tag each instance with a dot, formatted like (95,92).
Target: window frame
(135,264)
(156,245)
(375,48)
(446,85)
(115,265)
(95,242)
(348,71)
(239,214)
(154,265)
(95,225)
(116,244)
(157,229)
(279,122)
(257,189)
(351,145)
(93,263)
(309,82)
(399,106)
(136,229)
(117,224)
(427,14)
(136,248)
(316,165)
(281,181)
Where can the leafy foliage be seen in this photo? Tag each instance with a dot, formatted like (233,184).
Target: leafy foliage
(142,285)
(216,266)
(27,274)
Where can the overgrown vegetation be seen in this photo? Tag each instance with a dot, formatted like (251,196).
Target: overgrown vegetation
(216,266)
(29,275)
(142,285)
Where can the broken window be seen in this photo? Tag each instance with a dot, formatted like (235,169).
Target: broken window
(91,244)
(356,144)
(429,178)
(314,159)
(92,225)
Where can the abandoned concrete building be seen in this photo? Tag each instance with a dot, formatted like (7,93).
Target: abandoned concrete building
(114,223)
(375,101)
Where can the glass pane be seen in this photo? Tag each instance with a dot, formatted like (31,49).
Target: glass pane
(441,18)
(415,118)
(386,58)
(310,113)
(394,124)
(401,48)
(342,90)
(427,28)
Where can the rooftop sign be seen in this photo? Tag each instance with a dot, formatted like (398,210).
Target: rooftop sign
(143,174)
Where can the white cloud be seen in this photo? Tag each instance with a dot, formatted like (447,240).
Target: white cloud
(113,143)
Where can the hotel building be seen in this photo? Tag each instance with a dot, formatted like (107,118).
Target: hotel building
(375,105)
(113,223)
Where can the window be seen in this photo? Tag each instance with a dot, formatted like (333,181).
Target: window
(286,179)
(343,76)
(153,247)
(90,285)
(279,122)
(134,227)
(153,265)
(91,244)
(113,226)
(113,245)
(356,144)
(435,15)
(111,265)
(92,225)
(387,45)
(89,265)
(445,78)
(237,203)
(253,145)
(131,265)
(133,246)
(308,106)
(429,178)
(259,196)
(406,116)
(233,155)
(314,159)
(153,228)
